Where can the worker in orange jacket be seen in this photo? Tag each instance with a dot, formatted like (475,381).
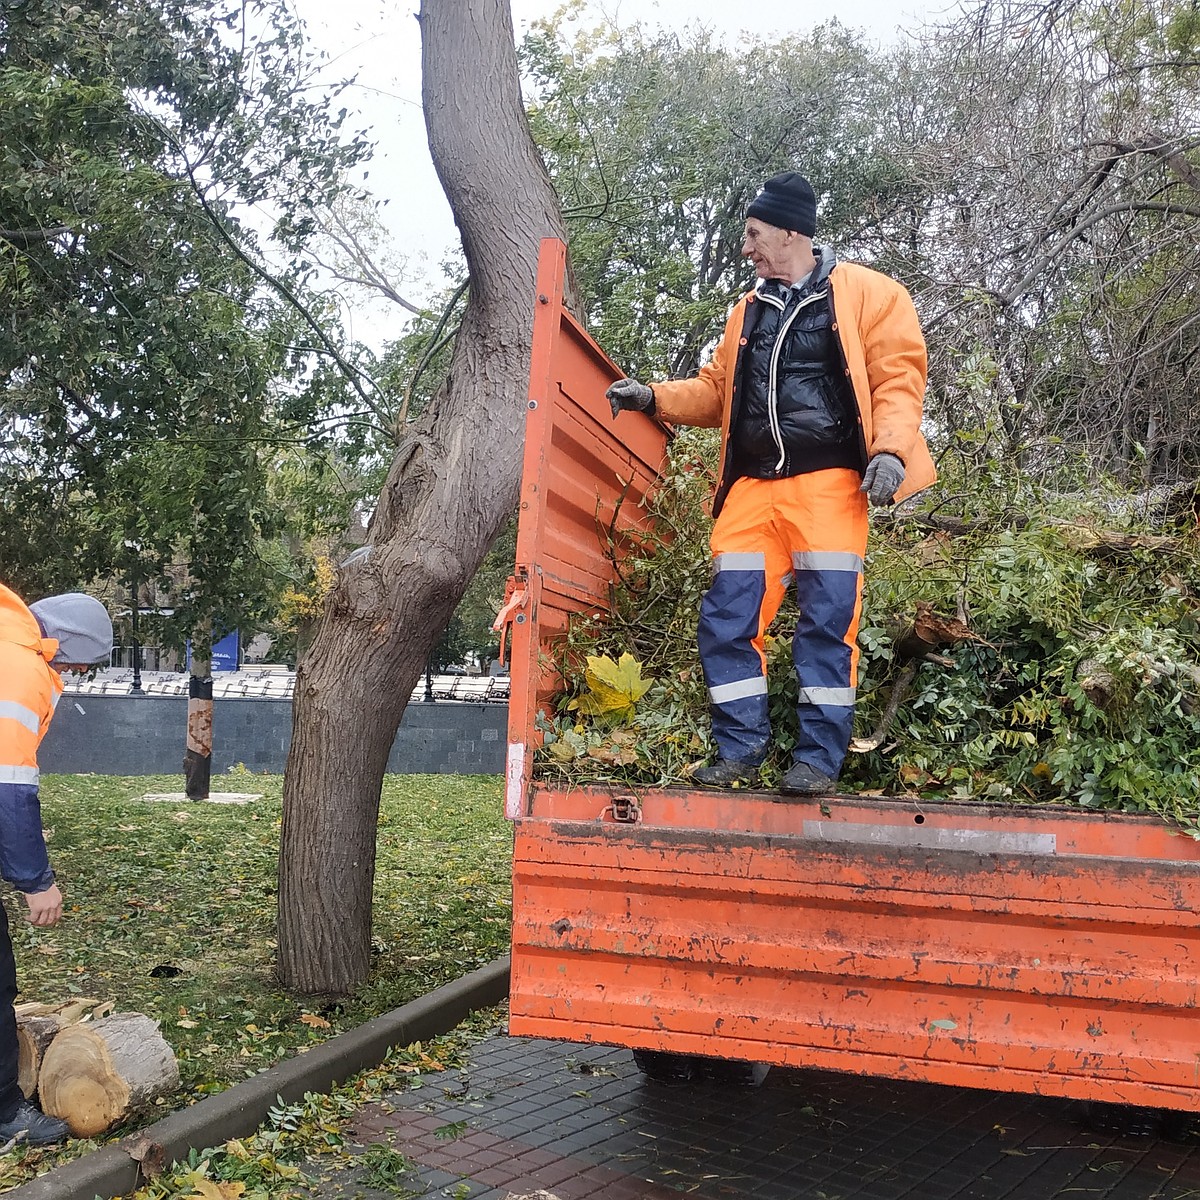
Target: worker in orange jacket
(37,643)
(817,388)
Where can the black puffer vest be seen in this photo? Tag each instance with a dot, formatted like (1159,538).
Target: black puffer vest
(793,411)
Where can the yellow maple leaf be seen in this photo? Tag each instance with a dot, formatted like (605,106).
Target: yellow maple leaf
(208,1189)
(614,687)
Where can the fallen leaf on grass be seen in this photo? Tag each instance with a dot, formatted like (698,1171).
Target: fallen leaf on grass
(315,1021)
(206,1189)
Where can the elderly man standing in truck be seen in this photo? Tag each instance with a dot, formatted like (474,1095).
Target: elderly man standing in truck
(817,388)
(37,643)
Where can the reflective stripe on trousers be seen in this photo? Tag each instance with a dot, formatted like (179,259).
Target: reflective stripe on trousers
(811,529)
(730,642)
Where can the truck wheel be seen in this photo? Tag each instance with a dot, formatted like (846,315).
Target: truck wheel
(1122,1120)
(1178,1126)
(734,1072)
(662,1066)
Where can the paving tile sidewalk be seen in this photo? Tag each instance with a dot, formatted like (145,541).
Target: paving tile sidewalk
(581,1123)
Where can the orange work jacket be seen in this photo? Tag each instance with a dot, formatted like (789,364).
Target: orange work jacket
(880,336)
(29,690)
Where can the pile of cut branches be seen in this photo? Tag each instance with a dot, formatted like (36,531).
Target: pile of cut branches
(1043,651)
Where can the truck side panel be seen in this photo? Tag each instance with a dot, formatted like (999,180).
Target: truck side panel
(583,487)
(1066,974)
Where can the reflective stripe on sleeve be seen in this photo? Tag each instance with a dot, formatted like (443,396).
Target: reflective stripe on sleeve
(12,711)
(829,696)
(27,775)
(738,690)
(827,560)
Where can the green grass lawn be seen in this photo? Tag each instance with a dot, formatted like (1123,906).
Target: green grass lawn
(170,911)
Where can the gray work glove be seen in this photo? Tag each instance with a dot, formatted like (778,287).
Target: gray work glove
(628,393)
(884,475)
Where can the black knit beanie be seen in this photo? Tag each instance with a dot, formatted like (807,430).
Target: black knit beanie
(788,202)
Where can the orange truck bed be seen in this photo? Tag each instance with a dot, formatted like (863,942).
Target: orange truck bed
(1046,950)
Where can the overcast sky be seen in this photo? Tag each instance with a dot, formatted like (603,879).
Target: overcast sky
(379,42)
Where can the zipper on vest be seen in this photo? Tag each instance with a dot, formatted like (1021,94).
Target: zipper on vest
(772,395)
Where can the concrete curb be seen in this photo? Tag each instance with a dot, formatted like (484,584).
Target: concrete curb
(241,1109)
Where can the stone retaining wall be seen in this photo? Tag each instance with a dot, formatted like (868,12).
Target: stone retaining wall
(144,735)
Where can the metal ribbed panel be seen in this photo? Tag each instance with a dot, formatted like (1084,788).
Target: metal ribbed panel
(1060,974)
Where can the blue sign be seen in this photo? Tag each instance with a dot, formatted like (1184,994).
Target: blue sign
(225,653)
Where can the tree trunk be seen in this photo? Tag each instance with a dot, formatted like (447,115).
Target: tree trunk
(95,1075)
(452,484)
(197,755)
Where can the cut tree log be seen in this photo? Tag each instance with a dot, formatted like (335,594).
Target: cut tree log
(930,631)
(78,1008)
(34,1035)
(37,1025)
(96,1074)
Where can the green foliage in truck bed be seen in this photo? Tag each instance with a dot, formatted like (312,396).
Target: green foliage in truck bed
(1076,679)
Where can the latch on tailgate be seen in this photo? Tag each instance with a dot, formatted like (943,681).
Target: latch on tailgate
(516,595)
(624,809)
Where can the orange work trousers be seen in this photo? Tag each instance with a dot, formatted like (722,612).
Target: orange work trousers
(810,530)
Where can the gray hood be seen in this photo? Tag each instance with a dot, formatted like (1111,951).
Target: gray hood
(80,623)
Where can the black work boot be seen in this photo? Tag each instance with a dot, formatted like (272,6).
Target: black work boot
(33,1128)
(804,780)
(725,773)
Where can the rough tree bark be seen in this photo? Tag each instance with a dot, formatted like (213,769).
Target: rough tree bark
(450,487)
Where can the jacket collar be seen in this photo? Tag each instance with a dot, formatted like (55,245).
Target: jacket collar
(777,290)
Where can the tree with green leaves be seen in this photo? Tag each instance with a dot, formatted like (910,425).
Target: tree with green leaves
(1048,155)
(149,362)
(1029,172)
(656,144)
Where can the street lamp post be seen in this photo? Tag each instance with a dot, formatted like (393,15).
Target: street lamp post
(136,686)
